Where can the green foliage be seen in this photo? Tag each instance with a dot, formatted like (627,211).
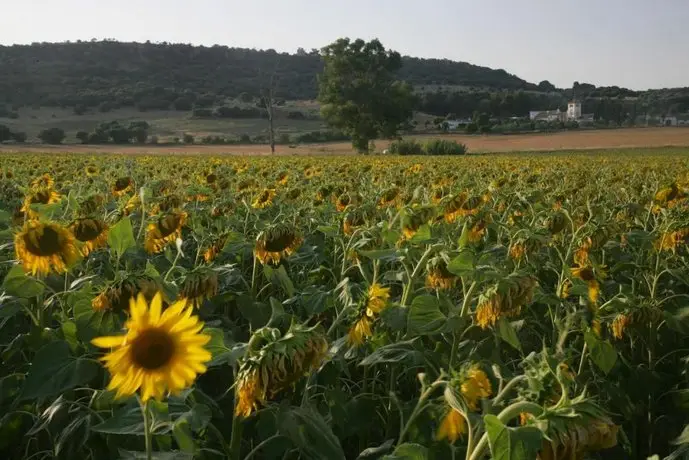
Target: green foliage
(445,147)
(406,147)
(359,93)
(52,136)
(432,147)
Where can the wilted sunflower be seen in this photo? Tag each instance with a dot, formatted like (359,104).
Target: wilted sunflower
(415,218)
(671,240)
(93,233)
(118,296)
(572,437)
(40,196)
(475,386)
(354,219)
(132,204)
(438,276)
(161,351)
(360,330)
(461,206)
(165,231)
(477,231)
(264,199)
(92,170)
(588,275)
(122,185)
(280,361)
(389,197)
(214,249)
(452,427)
(376,299)
(282,178)
(506,299)
(46,247)
(343,201)
(277,242)
(199,285)
(44,181)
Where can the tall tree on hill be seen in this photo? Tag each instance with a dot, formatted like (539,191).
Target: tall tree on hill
(359,93)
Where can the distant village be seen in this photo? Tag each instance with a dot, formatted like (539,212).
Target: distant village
(574,113)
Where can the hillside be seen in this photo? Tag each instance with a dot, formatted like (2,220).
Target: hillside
(153,76)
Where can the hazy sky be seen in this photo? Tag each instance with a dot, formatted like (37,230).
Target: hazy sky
(634,43)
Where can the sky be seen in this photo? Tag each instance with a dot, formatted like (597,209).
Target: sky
(638,44)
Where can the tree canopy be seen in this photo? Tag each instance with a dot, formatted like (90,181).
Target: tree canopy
(359,92)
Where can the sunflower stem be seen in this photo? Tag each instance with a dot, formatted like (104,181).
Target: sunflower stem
(420,406)
(147,430)
(236,436)
(143,214)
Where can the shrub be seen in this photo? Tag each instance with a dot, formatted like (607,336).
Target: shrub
(19,137)
(406,147)
(188,138)
(52,136)
(472,128)
(445,147)
(83,136)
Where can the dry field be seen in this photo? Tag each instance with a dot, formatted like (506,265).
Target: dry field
(573,140)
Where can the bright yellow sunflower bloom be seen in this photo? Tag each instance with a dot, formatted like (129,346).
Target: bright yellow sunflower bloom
(161,352)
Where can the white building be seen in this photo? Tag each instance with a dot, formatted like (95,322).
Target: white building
(574,110)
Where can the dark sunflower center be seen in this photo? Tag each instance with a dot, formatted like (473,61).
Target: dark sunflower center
(265,196)
(211,178)
(152,349)
(87,230)
(122,183)
(279,243)
(587,274)
(45,245)
(168,224)
(42,197)
(92,169)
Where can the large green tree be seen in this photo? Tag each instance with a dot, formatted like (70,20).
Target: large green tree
(359,92)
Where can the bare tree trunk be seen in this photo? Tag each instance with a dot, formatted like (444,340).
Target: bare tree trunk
(271,130)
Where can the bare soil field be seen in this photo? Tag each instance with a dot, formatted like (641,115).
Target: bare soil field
(571,140)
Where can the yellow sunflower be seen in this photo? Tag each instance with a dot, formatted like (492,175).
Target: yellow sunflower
(161,352)
(377,299)
(277,242)
(165,231)
(42,196)
(122,185)
(92,233)
(476,386)
(588,275)
(360,330)
(43,248)
(452,427)
(439,277)
(92,170)
(264,199)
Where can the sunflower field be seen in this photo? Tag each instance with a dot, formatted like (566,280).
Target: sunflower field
(523,306)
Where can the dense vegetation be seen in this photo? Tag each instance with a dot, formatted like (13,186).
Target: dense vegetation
(153,76)
(330,308)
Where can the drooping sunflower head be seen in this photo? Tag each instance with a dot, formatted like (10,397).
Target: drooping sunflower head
(354,219)
(161,352)
(39,196)
(164,231)
(92,233)
(282,178)
(452,426)
(276,242)
(277,362)
(438,276)
(117,296)
(505,299)
(414,218)
(43,182)
(389,197)
(475,386)
(91,205)
(44,248)
(92,170)
(360,330)
(263,199)
(556,222)
(199,285)
(122,185)
(377,299)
